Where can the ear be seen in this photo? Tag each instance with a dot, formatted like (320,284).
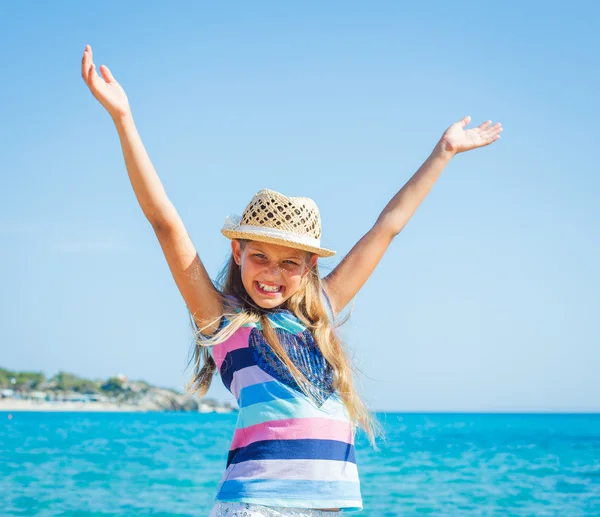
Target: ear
(236,250)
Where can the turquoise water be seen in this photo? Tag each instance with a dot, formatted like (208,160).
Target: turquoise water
(169,464)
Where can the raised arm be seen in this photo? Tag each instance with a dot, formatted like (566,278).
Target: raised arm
(352,272)
(199,293)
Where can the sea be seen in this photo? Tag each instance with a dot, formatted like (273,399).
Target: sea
(169,464)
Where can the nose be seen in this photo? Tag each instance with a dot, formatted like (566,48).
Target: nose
(272,272)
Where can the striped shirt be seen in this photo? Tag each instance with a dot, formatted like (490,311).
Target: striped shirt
(287,450)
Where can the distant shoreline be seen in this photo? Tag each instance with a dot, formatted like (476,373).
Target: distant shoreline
(23,405)
(31,391)
(32,405)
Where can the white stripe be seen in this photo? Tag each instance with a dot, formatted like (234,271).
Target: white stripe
(313,470)
(279,234)
(249,376)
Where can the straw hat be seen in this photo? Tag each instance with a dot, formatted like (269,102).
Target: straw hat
(272,217)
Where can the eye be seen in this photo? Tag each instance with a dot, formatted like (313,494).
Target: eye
(259,255)
(291,263)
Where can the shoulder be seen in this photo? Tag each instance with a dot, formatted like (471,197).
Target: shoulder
(230,326)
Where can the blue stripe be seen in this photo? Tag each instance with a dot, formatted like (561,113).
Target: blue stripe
(296,489)
(303,449)
(265,392)
(298,407)
(234,361)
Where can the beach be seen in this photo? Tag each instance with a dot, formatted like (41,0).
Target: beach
(36,405)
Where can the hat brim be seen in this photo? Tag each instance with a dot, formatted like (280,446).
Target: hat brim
(233,234)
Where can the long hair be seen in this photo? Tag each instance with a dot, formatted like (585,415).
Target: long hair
(307,305)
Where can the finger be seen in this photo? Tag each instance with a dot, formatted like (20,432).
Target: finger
(485,124)
(88,69)
(494,130)
(465,121)
(93,77)
(85,62)
(492,138)
(108,77)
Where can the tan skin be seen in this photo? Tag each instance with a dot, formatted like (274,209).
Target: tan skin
(272,266)
(192,279)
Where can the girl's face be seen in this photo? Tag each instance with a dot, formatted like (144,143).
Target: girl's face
(271,273)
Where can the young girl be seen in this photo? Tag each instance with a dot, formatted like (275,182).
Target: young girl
(267,325)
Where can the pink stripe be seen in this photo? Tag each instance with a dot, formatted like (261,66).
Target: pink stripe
(238,340)
(248,376)
(294,429)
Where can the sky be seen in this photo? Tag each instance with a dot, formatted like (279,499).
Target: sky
(488,300)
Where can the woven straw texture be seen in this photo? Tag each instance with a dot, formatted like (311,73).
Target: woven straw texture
(289,221)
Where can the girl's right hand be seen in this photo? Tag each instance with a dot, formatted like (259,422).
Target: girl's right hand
(107,91)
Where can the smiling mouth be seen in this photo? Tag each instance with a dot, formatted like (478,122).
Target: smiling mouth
(268,290)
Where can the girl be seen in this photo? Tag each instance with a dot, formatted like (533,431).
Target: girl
(267,325)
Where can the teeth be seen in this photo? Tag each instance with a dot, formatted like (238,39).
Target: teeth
(269,288)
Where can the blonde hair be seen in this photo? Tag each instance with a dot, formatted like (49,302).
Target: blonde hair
(307,305)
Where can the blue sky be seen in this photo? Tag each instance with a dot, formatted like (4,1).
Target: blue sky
(487,301)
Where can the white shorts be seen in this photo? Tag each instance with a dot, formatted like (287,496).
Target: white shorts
(252,510)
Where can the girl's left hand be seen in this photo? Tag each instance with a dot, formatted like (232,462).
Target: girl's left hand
(457,139)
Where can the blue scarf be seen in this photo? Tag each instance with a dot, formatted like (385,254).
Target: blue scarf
(284,320)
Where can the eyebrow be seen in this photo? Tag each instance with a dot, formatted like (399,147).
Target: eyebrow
(256,247)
